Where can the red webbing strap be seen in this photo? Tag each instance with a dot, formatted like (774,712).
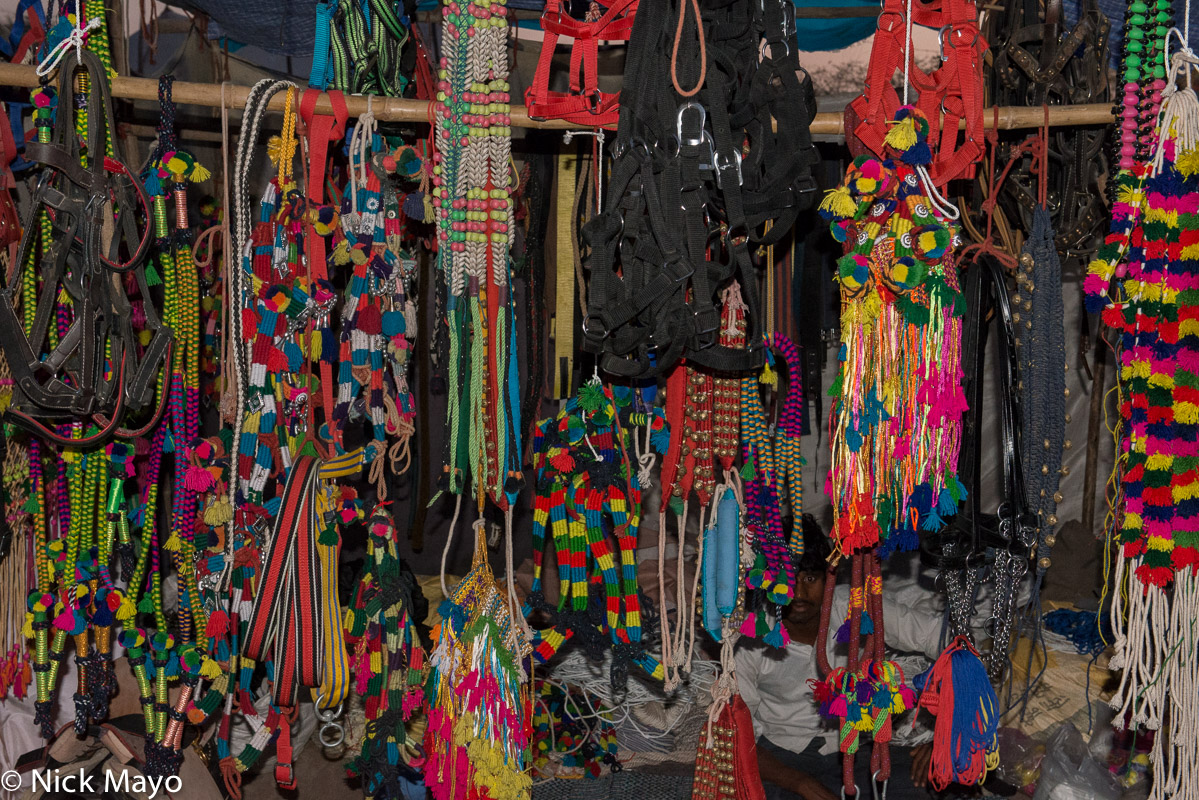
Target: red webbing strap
(322,129)
(855,635)
(426,86)
(498,374)
(584,104)
(285,606)
(880,753)
(35,35)
(676,395)
(285,776)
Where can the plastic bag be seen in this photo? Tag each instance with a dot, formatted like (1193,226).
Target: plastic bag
(1070,772)
(1020,759)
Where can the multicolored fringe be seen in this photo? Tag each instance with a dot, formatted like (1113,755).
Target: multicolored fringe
(480,721)
(898,422)
(863,701)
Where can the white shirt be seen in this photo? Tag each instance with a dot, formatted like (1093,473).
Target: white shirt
(774,682)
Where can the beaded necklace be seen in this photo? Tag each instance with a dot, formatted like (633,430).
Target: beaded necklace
(471,193)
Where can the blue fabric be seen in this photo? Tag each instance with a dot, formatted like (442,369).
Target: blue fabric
(285,27)
(821,35)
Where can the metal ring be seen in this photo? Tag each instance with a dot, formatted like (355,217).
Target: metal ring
(333,739)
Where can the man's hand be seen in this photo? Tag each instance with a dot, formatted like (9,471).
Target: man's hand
(810,788)
(921,756)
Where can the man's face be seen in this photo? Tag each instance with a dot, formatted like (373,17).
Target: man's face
(809,593)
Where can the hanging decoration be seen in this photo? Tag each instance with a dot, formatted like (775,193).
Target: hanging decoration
(896,427)
(588,490)
(478,693)
(1142,283)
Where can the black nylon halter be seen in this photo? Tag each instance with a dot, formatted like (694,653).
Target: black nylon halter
(737,155)
(67,382)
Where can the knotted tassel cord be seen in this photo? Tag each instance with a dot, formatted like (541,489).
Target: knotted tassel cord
(1143,283)
(896,428)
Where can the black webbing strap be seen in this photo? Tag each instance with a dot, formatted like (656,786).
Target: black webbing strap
(97,372)
(695,184)
(963,544)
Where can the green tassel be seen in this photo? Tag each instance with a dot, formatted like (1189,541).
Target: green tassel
(152,277)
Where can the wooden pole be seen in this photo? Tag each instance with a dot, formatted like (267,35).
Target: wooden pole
(392,109)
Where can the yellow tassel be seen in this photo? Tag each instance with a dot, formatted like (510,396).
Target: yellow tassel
(200,173)
(1187,163)
(127,609)
(219,513)
(173,544)
(427,203)
(210,669)
(27,628)
(837,201)
(768,377)
(1129,195)
(902,135)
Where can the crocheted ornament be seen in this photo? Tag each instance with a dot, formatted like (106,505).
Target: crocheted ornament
(388,665)
(897,424)
(586,487)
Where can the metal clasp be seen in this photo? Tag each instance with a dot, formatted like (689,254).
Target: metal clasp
(691,105)
(332,732)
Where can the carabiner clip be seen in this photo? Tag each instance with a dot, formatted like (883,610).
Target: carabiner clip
(874,785)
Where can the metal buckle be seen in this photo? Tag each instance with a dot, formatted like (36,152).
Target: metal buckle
(594,100)
(671,267)
(706,321)
(691,105)
(723,162)
(603,331)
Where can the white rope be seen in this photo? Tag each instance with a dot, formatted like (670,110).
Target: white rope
(76,39)
(907,50)
(938,201)
(449,539)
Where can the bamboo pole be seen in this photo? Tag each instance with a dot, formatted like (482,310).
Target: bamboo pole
(391,109)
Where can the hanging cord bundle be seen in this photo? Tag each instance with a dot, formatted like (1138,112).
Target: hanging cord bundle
(388,665)
(701,435)
(728,150)
(586,488)
(478,693)
(1143,283)
(378,317)
(772,473)
(955,690)
(1041,352)
(474,217)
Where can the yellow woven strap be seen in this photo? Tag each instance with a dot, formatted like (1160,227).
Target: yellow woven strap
(564,315)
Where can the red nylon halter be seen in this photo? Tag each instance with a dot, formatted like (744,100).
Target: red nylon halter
(954,89)
(584,104)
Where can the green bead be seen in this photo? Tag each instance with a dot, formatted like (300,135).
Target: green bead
(1159,72)
(1136,33)
(1132,75)
(1133,61)
(1136,19)
(1135,47)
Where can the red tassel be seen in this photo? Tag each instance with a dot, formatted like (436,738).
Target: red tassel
(218,625)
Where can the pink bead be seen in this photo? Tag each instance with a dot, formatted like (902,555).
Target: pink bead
(1121,270)
(1128,150)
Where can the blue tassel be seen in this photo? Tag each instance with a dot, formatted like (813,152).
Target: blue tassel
(775,637)
(922,498)
(932,522)
(867,626)
(946,505)
(975,717)
(843,632)
(660,439)
(414,206)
